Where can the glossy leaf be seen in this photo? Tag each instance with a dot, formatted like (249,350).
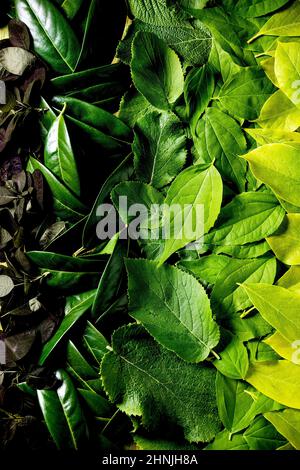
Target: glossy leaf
(94,342)
(174,309)
(53,38)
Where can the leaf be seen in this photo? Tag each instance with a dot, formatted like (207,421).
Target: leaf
(221,139)
(59,157)
(133,107)
(156,71)
(101,127)
(199,87)
(285,242)
(159,148)
(71,7)
(15,60)
(196,188)
(239,403)
(279,112)
(248,218)
(55,262)
(258,7)
(234,362)
(174,309)
(191,40)
(261,435)
(223,62)
(87,27)
(273,136)
(249,250)
(65,204)
(63,414)
(77,364)
(291,279)
(98,405)
(246,92)
(76,306)
(284,23)
(283,347)
(139,377)
(224,441)
(53,38)
(6,285)
(287,423)
(206,269)
(227,296)
(278,306)
(94,342)
(278,380)
(277,166)
(287,69)
(144,443)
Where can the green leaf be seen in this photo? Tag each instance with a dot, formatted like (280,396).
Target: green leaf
(234,362)
(145,443)
(284,23)
(221,139)
(282,347)
(174,308)
(258,7)
(277,166)
(156,71)
(291,279)
(273,136)
(287,70)
(279,380)
(133,107)
(249,250)
(262,435)
(76,306)
(94,342)
(71,7)
(285,243)
(223,62)
(279,112)
(100,126)
(246,92)
(191,40)
(199,87)
(278,306)
(65,204)
(239,403)
(225,441)
(47,118)
(59,157)
(248,218)
(206,269)
(55,262)
(98,405)
(63,414)
(287,423)
(53,38)
(159,148)
(199,186)
(87,28)
(77,363)
(227,296)
(139,377)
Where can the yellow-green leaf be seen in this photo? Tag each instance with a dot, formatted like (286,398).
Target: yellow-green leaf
(287,70)
(285,243)
(279,112)
(273,136)
(287,423)
(279,380)
(291,279)
(283,347)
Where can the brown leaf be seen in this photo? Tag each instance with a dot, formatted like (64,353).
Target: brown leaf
(19,34)
(15,60)
(18,346)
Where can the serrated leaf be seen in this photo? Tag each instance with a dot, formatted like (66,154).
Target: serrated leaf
(159,148)
(174,309)
(139,377)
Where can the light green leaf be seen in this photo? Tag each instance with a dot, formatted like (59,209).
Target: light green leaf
(287,69)
(284,23)
(279,380)
(219,138)
(173,307)
(284,347)
(273,136)
(258,7)
(227,296)
(291,279)
(261,435)
(225,441)
(159,148)
(59,157)
(277,165)
(278,306)
(285,243)
(279,112)
(234,362)
(248,218)
(287,423)
(198,187)
(156,71)
(206,269)
(53,38)
(246,92)
(144,379)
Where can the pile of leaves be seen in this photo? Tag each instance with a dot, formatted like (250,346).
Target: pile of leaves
(152,343)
